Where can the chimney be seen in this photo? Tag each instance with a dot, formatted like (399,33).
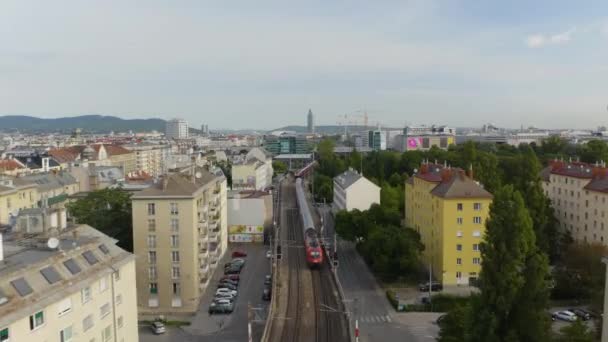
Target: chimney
(470,171)
(1,248)
(164,181)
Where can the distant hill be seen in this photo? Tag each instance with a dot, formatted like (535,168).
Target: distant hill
(88,123)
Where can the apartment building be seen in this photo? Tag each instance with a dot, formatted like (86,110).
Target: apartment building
(74,286)
(424,137)
(179,236)
(176,128)
(353,191)
(53,188)
(449,210)
(150,157)
(15,197)
(579,196)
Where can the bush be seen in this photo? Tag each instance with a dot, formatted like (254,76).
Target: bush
(392,298)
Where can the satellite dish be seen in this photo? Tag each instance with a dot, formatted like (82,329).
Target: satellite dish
(52,243)
(198,174)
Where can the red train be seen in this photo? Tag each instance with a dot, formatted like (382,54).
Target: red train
(312,246)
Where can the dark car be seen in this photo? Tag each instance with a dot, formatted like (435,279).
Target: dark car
(233,265)
(234,277)
(239,254)
(220,308)
(228,281)
(267,293)
(232,270)
(581,313)
(435,286)
(227,286)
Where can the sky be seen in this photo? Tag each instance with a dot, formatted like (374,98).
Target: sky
(263,64)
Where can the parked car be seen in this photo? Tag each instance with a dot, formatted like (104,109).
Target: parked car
(268,279)
(232,270)
(435,286)
(234,277)
(158,328)
(581,313)
(440,319)
(228,281)
(223,300)
(239,254)
(269,254)
(564,315)
(226,286)
(230,296)
(267,293)
(238,261)
(225,290)
(234,265)
(216,308)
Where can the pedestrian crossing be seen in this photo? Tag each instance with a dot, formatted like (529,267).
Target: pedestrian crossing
(375,319)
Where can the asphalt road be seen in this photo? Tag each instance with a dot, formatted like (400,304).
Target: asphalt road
(232,327)
(366,301)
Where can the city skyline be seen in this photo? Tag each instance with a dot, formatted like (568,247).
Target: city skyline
(418,62)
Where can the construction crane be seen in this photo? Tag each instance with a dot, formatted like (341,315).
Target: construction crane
(354,118)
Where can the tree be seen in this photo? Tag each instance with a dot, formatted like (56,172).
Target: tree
(513,270)
(389,197)
(453,325)
(576,332)
(279,167)
(109,211)
(554,145)
(593,151)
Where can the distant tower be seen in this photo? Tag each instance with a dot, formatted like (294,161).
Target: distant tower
(311,122)
(205,129)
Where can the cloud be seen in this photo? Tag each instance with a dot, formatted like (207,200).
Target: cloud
(540,40)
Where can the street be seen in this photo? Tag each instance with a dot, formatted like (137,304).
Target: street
(233,327)
(366,301)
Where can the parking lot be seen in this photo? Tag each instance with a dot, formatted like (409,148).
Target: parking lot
(227,327)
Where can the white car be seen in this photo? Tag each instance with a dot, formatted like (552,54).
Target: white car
(228,296)
(564,315)
(225,291)
(269,254)
(222,301)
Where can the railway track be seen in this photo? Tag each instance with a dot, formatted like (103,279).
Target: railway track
(291,333)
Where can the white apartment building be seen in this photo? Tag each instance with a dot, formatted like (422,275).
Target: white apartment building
(75,286)
(150,157)
(254,171)
(353,191)
(176,129)
(579,196)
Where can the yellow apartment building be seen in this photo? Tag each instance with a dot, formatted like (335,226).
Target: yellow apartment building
(449,210)
(14,197)
(180,232)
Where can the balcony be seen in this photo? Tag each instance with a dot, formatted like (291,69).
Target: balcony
(213,225)
(203,240)
(203,271)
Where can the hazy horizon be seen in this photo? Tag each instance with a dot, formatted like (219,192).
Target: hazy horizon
(262,65)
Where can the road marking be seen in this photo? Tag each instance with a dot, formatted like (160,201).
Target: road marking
(388,318)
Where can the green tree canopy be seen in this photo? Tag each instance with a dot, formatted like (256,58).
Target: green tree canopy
(513,271)
(279,167)
(109,211)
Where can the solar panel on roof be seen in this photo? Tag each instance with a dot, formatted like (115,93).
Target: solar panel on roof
(50,274)
(91,258)
(72,266)
(22,287)
(104,249)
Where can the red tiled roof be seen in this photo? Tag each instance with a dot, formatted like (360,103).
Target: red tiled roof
(114,150)
(572,169)
(451,182)
(10,165)
(599,182)
(65,154)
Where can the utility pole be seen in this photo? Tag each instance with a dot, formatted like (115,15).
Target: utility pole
(249,319)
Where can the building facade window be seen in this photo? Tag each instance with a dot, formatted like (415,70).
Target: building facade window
(458,261)
(477,219)
(477,206)
(175,257)
(64,306)
(152,273)
(459,220)
(153,288)
(152,257)
(174,241)
(151,209)
(458,275)
(475,247)
(104,310)
(119,322)
(459,247)
(37,320)
(459,206)
(174,225)
(175,272)
(476,261)
(151,241)
(86,294)
(174,210)
(176,288)
(103,284)
(4,335)
(118,299)
(87,323)
(151,225)
(106,334)
(65,335)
